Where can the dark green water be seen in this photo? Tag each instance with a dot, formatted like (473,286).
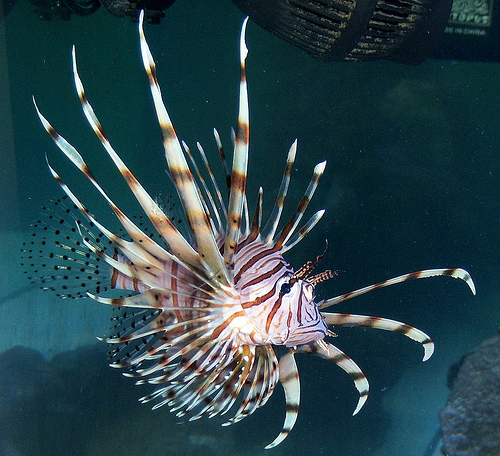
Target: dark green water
(412,182)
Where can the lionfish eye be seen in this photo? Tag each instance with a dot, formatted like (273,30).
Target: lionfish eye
(285,288)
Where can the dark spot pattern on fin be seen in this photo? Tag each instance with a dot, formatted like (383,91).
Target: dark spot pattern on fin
(124,323)
(56,258)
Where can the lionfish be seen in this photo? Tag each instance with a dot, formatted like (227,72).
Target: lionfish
(203,310)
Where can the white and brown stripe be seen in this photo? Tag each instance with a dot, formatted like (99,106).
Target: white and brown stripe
(240,163)
(456,273)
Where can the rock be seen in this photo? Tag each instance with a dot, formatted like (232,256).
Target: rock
(470,422)
(25,375)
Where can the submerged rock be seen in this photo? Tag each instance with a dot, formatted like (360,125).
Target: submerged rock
(24,373)
(74,404)
(470,422)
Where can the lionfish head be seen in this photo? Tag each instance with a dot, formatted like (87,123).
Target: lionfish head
(200,312)
(279,305)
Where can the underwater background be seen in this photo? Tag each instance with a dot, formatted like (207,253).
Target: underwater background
(412,182)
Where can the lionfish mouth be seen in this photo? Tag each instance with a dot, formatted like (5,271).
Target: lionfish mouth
(200,310)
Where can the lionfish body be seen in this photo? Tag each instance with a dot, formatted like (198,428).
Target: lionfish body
(208,307)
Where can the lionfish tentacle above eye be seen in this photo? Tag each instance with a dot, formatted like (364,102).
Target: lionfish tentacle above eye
(305,271)
(199,311)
